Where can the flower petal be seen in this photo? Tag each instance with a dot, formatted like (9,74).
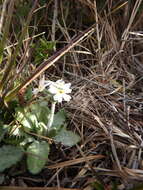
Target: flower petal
(68,85)
(60,82)
(48,83)
(53,89)
(67,97)
(58,97)
(68,90)
(35,91)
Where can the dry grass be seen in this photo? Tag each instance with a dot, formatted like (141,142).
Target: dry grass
(107,106)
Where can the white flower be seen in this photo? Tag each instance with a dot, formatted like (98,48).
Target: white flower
(60,90)
(42,85)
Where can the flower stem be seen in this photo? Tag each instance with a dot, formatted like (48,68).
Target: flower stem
(50,122)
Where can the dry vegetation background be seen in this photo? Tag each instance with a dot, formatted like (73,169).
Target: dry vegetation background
(106,72)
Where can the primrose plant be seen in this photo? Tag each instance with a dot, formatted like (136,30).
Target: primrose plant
(36,122)
(59,91)
(28,120)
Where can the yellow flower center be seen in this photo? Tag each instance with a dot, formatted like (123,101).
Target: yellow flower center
(61,91)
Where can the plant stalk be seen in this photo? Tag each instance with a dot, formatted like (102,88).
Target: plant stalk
(51,119)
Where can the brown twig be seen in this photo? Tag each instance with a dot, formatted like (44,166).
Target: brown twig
(46,64)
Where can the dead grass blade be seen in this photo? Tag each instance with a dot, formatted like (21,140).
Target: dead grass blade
(126,32)
(75,161)
(133,173)
(115,152)
(3,12)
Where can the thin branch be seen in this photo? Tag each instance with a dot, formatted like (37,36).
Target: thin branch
(46,64)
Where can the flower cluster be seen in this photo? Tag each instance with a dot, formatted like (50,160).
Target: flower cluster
(59,90)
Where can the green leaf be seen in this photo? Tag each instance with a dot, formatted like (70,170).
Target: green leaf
(9,155)
(13,140)
(37,156)
(32,116)
(42,129)
(43,112)
(28,139)
(42,49)
(27,119)
(59,119)
(67,137)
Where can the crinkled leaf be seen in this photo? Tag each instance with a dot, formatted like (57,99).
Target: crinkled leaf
(67,137)
(42,129)
(27,119)
(9,155)
(59,120)
(27,140)
(53,132)
(16,130)
(43,113)
(14,140)
(31,116)
(41,110)
(37,156)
